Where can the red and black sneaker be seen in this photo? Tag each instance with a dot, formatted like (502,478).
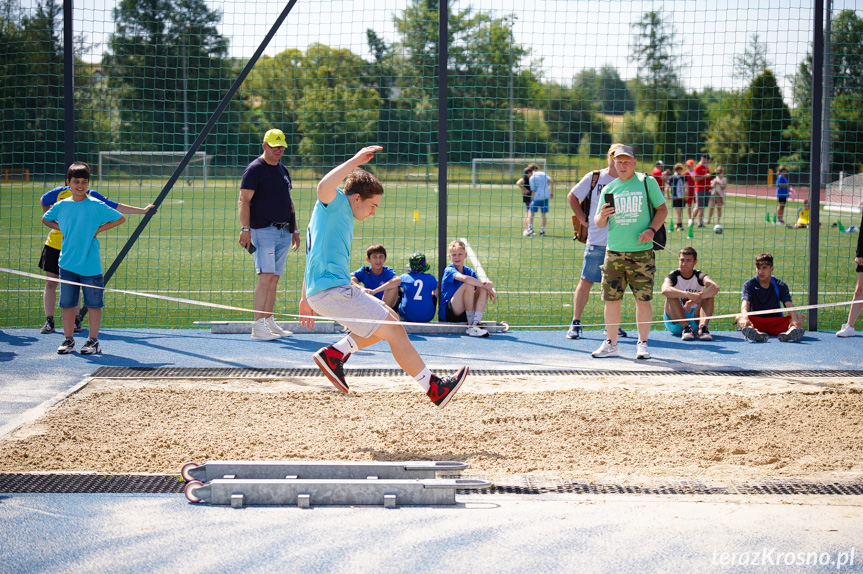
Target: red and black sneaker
(331,362)
(443,388)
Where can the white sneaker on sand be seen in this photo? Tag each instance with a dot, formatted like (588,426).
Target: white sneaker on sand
(275,329)
(846,331)
(260,331)
(606,349)
(641,350)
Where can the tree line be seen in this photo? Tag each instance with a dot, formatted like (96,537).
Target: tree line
(166,67)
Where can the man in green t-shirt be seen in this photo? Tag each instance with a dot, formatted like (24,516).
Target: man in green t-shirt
(629,256)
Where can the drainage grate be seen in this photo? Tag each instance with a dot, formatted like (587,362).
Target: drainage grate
(91,483)
(683,488)
(250,373)
(67,483)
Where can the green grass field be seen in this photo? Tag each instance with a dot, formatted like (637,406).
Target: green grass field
(190,250)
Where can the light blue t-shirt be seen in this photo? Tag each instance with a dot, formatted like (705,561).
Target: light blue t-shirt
(539,185)
(328,245)
(78,221)
(449,286)
(366,276)
(416,305)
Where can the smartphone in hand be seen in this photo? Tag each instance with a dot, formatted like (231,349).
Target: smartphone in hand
(251,247)
(609,199)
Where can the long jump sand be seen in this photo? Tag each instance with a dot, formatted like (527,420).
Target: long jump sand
(626,428)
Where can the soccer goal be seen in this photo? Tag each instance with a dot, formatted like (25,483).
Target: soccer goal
(501,170)
(150,164)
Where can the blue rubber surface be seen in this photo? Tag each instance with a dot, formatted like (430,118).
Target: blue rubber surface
(481,534)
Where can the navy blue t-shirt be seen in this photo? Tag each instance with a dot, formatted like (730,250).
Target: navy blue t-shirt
(761,299)
(272,200)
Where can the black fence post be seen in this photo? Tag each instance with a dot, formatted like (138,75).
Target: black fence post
(68,86)
(443,56)
(815,157)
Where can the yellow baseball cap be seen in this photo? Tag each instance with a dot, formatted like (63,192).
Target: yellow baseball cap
(275,138)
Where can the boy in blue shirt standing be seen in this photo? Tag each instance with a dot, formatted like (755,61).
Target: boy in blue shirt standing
(80,219)
(377,279)
(419,292)
(783,190)
(327,288)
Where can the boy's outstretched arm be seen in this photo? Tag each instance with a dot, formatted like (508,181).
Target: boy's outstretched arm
(328,184)
(132,210)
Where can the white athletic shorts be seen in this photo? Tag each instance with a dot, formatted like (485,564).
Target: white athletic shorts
(351,301)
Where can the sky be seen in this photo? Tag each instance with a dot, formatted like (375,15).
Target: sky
(564,36)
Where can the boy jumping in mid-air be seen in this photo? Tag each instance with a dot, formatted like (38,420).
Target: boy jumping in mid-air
(327,288)
(463,296)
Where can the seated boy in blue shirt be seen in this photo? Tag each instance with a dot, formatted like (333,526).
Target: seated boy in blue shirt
(419,292)
(463,296)
(80,219)
(376,279)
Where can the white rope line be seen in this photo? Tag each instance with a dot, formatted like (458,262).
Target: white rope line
(443,325)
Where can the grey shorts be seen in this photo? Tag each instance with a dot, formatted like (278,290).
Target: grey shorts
(349,301)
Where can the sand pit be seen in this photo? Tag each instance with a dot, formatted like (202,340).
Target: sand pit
(627,428)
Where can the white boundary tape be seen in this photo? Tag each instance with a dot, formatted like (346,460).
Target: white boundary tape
(477,266)
(350,319)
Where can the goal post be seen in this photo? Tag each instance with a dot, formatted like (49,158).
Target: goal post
(144,164)
(500,170)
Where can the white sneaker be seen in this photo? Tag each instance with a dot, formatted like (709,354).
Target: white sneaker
(846,331)
(606,349)
(641,350)
(476,331)
(260,331)
(528,231)
(275,329)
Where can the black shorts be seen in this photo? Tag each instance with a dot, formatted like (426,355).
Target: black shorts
(782,200)
(677,202)
(451,317)
(526,199)
(860,269)
(703,198)
(50,260)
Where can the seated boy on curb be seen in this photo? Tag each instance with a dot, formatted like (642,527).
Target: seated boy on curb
(80,219)
(463,295)
(376,279)
(689,293)
(764,292)
(419,291)
(327,288)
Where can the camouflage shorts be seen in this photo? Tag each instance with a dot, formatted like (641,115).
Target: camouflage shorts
(633,268)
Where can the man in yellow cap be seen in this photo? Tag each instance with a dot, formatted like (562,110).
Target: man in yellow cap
(268,227)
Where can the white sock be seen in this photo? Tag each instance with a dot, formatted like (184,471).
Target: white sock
(424,379)
(346,346)
(470,320)
(477,317)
